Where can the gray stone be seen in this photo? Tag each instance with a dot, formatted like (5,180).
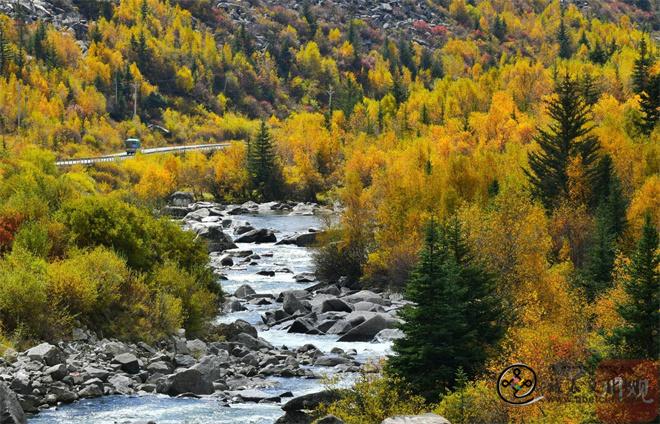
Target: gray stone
(189,381)
(261,235)
(218,240)
(332,304)
(97,373)
(340,327)
(11,411)
(197,348)
(181,198)
(57,372)
(46,353)
(292,305)
(244,291)
(365,296)
(416,419)
(367,330)
(128,362)
(311,400)
(331,360)
(159,367)
(121,384)
(388,334)
(90,391)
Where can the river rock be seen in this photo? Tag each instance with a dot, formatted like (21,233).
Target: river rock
(292,304)
(311,400)
(416,419)
(331,360)
(11,411)
(242,229)
(121,384)
(301,240)
(331,304)
(181,198)
(128,362)
(367,330)
(365,296)
(218,240)
(197,215)
(261,235)
(211,367)
(57,372)
(188,381)
(294,417)
(90,391)
(340,327)
(46,353)
(244,291)
(388,334)
(368,306)
(303,326)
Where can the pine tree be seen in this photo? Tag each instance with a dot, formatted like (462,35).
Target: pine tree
(310,18)
(262,164)
(499,28)
(596,277)
(590,91)
(649,102)
(639,336)
(454,320)
(642,68)
(565,50)
(5,52)
(598,54)
(568,136)
(39,43)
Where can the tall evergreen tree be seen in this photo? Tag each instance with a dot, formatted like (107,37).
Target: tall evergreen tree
(568,136)
(310,18)
(5,52)
(649,103)
(565,49)
(639,336)
(641,68)
(262,164)
(590,90)
(454,321)
(596,276)
(607,196)
(499,28)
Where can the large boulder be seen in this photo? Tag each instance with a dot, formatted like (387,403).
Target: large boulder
(188,381)
(46,353)
(218,240)
(181,198)
(261,235)
(331,304)
(211,367)
(10,409)
(416,419)
(244,291)
(365,296)
(329,419)
(292,304)
(303,326)
(302,240)
(128,362)
(366,331)
(312,400)
(230,331)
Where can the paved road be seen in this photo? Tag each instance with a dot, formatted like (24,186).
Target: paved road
(151,151)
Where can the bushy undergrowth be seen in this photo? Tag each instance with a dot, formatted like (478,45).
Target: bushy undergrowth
(71,257)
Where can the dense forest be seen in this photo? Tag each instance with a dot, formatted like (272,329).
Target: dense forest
(499,167)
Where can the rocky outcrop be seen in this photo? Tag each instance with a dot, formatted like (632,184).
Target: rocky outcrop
(11,411)
(312,400)
(218,240)
(261,235)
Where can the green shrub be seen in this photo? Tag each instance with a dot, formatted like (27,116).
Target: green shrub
(373,398)
(476,403)
(23,295)
(197,303)
(34,238)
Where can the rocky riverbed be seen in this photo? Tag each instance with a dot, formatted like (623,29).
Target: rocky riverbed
(280,331)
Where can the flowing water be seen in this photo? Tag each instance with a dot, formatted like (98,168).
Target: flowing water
(287,261)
